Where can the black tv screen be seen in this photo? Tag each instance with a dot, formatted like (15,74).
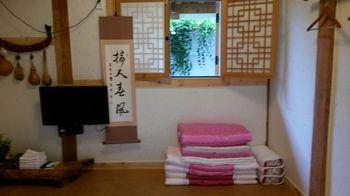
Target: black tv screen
(74,105)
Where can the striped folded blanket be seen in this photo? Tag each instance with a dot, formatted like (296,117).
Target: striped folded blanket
(174,155)
(178,181)
(213,171)
(209,177)
(217,152)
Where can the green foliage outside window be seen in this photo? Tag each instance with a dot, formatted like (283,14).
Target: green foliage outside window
(182,33)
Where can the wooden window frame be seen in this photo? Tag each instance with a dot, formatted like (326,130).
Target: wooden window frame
(153,76)
(274,44)
(165,80)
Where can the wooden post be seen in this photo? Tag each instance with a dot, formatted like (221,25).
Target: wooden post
(111,7)
(325,48)
(64,66)
(268,95)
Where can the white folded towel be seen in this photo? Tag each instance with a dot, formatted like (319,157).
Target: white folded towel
(32,160)
(29,154)
(266,157)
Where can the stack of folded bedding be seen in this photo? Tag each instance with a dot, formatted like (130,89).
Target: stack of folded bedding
(271,169)
(211,154)
(32,160)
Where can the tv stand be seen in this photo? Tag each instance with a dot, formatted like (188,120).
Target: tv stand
(65,130)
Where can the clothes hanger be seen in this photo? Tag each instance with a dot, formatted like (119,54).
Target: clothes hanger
(327,18)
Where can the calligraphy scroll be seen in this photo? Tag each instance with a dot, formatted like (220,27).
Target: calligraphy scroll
(117,59)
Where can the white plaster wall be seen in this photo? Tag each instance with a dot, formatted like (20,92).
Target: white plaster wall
(85,46)
(291,109)
(339,159)
(159,109)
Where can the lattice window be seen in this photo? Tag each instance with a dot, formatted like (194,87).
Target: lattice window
(249,34)
(148,20)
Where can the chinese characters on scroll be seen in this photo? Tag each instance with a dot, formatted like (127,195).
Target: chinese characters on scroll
(119,82)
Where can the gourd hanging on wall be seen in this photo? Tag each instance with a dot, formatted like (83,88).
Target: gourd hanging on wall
(46,76)
(5,66)
(19,73)
(33,78)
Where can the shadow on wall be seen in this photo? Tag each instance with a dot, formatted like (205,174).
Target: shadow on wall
(280,134)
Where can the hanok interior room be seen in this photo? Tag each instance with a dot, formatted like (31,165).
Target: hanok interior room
(174,97)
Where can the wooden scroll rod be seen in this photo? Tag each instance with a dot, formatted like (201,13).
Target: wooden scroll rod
(18,48)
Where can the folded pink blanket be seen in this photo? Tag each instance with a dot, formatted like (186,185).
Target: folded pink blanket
(219,149)
(227,177)
(221,177)
(217,155)
(200,134)
(210,182)
(210,173)
(181,175)
(208,168)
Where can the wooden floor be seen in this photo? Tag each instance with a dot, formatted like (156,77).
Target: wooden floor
(139,182)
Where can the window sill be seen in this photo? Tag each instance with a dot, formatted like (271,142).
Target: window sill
(188,82)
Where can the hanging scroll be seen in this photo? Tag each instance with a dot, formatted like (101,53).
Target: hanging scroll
(119,73)
(117,58)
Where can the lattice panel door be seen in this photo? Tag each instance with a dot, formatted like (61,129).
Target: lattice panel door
(148,21)
(250,34)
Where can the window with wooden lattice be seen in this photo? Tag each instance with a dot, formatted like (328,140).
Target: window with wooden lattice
(245,44)
(249,38)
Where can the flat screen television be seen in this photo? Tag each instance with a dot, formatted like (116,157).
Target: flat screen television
(70,107)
